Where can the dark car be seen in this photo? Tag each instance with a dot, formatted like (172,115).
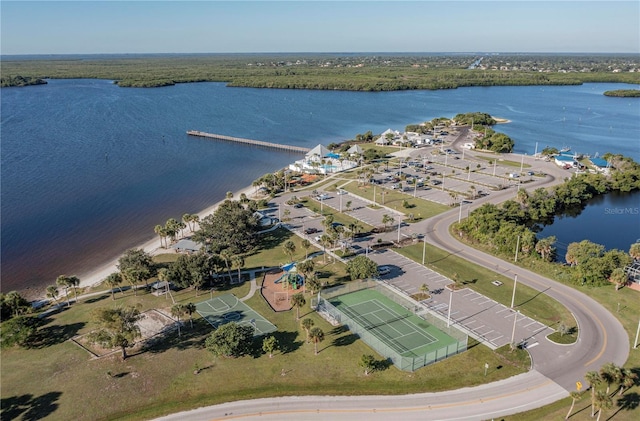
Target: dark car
(310,231)
(298,205)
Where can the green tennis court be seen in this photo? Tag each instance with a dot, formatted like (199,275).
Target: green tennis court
(391,323)
(227,308)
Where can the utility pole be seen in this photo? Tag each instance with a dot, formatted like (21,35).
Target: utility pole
(424,248)
(513,333)
(513,297)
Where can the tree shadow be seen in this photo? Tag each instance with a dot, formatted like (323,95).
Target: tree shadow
(189,338)
(345,340)
(534,297)
(31,408)
(382,365)
(98,298)
(287,341)
(627,402)
(55,334)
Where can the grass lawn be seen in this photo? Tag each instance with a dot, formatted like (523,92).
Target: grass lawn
(504,162)
(420,208)
(60,381)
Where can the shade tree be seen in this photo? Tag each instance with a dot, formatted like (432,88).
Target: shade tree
(230,340)
(117,327)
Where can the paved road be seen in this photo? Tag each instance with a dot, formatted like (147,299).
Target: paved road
(555,370)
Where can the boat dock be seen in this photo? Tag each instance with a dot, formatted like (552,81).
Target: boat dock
(288,148)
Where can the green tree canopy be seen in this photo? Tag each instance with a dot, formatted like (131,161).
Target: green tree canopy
(117,327)
(230,227)
(361,267)
(230,340)
(20,330)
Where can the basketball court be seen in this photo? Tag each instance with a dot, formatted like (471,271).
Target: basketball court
(227,308)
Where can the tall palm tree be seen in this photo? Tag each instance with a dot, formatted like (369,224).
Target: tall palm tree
(64,282)
(610,373)
(594,379)
(289,248)
(325,240)
(297,301)
(52,292)
(316,335)
(628,380)
(159,229)
(602,401)
(74,281)
(238,262)
(307,324)
(190,308)
(226,257)
(114,280)
(177,311)
(306,245)
(575,396)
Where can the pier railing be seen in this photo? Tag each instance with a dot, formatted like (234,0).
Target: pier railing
(261,143)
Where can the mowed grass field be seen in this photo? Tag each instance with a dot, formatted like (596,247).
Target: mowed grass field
(58,380)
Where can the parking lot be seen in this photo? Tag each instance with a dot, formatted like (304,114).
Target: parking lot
(481,317)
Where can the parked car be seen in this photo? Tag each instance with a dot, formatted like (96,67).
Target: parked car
(384,270)
(310,230)
(298,205)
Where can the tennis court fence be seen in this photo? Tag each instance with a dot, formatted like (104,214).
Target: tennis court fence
(405,361)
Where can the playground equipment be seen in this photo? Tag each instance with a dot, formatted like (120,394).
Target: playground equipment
(291,280)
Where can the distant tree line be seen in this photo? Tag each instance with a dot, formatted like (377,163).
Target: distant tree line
(355,73)
(513,224)
(625,93)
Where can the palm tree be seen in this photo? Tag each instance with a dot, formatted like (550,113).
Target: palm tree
(162,233)
(618,277)
(628,380)
(190,308)
(177,311)
(312,283)
(602,401)
(594,379)
(238,262)
(575,396)
(306,245)
(306,325)
(610,373)
(114,280)
(64,282)
(297,301)
(289,249)
(325,240)
(544,246)
(386,220)
(424,289)
(52,292)
(225,255)
(75,283)
(316,335)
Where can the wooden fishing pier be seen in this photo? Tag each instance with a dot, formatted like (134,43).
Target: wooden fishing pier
(279,146)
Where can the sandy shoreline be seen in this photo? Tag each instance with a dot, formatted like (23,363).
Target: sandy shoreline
(96,276)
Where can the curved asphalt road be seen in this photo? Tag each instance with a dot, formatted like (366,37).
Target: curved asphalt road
(555,371)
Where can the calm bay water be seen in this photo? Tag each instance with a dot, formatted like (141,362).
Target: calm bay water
(88,168)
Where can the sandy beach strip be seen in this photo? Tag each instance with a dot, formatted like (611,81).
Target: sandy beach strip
(95,276)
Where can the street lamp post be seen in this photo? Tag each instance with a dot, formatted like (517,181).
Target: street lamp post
(399,223)
(460,213)
(424,248)
(513,297)
(513,332)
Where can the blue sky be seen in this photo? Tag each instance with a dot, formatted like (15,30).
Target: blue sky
(94,27)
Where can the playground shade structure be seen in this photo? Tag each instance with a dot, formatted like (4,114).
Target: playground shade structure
(227,308)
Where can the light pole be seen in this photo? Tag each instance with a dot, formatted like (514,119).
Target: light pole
(443,181)
(635,343)
(339,193)
(495,163)
(517,248)
(513,297)
(513,333)
(374,195)
(424,248)
(460,213)
(399,223)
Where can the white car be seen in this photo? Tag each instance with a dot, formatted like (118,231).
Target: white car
(384,270)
